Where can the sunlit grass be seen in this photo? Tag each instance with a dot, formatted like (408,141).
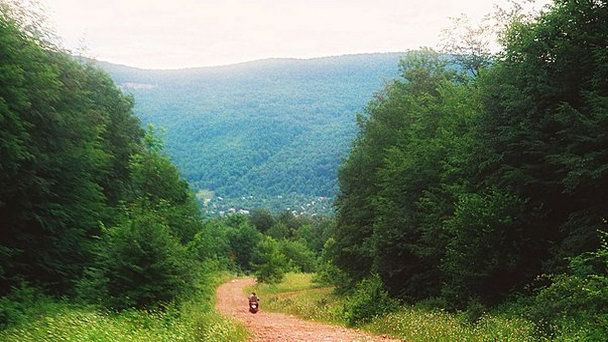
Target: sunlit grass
(299,296)
(417,324)
(192,320)
(291,282)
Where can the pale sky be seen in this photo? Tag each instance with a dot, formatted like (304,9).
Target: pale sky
(189,33)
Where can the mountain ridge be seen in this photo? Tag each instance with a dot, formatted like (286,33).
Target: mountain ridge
(103,63)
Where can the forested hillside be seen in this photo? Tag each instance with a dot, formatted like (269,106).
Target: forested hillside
(268,133)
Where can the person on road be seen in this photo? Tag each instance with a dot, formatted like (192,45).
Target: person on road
(253,298)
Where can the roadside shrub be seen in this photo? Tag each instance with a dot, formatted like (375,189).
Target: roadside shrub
(139,264)
(369,300)
(576,304)
(18,304)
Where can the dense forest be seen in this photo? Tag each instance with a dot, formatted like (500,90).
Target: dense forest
(81,180)
(90,207)
(268,133)
(489,184)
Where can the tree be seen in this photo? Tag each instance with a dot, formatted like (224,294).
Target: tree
(396,184)
(155,178)
(470,185)
(52,160)
(484,253)
(243,241)
(72,158)
(278,231)
(545,106)
(469,45)
(300,257)
(268,262)
(262,219)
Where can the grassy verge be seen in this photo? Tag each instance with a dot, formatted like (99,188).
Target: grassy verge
(298,296)
(193,319)
(412,323)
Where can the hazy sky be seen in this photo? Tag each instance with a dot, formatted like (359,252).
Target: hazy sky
(186,33)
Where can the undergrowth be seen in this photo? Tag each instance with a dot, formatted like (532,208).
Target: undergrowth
(191,319)
(299,296)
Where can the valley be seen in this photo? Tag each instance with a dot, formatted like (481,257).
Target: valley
(268,133)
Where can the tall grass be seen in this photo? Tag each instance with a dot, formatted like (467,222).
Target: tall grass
(412,323)
(297,295)
(193,319)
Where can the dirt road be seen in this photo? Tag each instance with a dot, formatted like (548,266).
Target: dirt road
(266,326)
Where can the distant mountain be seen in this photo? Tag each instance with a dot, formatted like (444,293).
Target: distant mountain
(269,133)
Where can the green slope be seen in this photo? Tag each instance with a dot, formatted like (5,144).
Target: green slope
(272,131)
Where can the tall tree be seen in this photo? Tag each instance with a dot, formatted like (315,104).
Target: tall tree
(545,125)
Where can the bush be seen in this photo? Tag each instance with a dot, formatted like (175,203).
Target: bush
(369,300)
(15,307)
(139,264)
(575,304)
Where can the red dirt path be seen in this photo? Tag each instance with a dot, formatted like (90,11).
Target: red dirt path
(266,326)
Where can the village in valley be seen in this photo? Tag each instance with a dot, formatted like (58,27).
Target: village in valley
(214,205)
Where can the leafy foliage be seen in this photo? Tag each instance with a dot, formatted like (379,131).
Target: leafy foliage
(268,261)
(139,263)
(74,160)
(485,247)
(262,219)
(369,300)
(470,185)
(244,241)
(396,181)
(300,257)
(67,137)
(577,300)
